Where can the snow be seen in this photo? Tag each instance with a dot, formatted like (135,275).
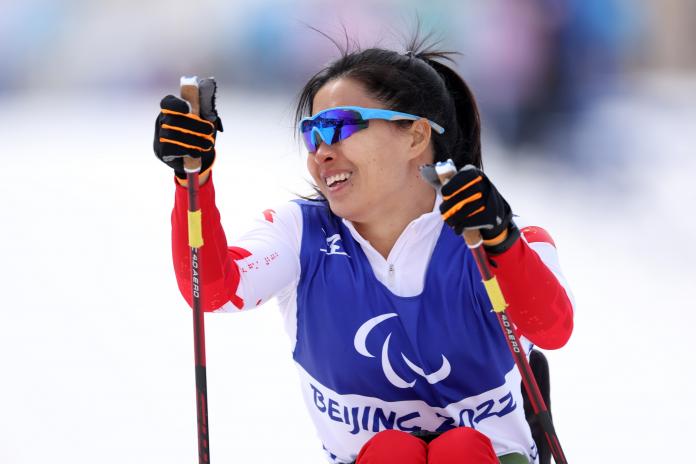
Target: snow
(96,343)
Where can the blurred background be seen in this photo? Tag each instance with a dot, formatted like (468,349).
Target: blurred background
(589,116)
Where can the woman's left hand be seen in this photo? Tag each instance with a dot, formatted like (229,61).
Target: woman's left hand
(471,201)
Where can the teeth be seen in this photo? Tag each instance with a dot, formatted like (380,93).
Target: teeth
(336,178)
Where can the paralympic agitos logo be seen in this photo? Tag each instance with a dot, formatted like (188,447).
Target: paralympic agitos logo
(360,346)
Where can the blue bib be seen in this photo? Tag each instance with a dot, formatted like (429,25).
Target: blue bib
(356,337)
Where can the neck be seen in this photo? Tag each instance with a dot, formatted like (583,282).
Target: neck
(386,226)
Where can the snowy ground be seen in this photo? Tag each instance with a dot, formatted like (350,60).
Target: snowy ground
(96,343)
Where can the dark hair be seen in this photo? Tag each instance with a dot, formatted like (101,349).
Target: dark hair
(417,83)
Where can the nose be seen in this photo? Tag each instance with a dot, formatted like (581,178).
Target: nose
(325,152)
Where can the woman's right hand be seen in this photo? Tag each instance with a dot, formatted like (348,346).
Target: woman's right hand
(180,133)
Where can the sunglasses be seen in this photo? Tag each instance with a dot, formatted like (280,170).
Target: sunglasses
(335,124)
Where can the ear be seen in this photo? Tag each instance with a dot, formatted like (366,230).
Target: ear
(420,133)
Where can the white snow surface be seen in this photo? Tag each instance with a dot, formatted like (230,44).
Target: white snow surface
(96,344)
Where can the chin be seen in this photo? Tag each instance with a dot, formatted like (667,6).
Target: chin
(341,210)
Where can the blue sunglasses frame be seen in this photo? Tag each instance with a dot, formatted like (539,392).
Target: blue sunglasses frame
(330,132)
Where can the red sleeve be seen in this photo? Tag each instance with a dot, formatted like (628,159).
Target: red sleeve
(538,304)
(219,276)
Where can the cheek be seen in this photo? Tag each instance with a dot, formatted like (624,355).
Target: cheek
(312,166)
(388,173)
(382,158)
(385,146)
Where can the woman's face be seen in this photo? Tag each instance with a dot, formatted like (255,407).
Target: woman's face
(364,175)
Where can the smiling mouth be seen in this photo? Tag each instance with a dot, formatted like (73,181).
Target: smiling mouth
(334,180)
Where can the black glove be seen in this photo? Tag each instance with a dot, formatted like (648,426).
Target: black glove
(471,201)
(179,133)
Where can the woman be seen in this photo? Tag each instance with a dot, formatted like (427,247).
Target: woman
(391,327)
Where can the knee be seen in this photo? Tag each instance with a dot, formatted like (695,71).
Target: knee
(393,446)
(462,445)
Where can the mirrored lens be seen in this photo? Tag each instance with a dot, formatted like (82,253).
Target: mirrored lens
(307,136)
(333,125)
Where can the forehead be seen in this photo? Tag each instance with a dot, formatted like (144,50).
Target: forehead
(343,92)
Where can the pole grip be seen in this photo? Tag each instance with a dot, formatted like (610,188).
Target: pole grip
(189,92)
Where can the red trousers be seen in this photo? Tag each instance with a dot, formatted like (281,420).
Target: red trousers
(462,445)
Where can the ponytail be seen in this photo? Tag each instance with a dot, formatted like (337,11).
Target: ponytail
(467,146)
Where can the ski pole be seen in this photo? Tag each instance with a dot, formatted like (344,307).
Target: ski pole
(438,175)
(475,243)
(192,166)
